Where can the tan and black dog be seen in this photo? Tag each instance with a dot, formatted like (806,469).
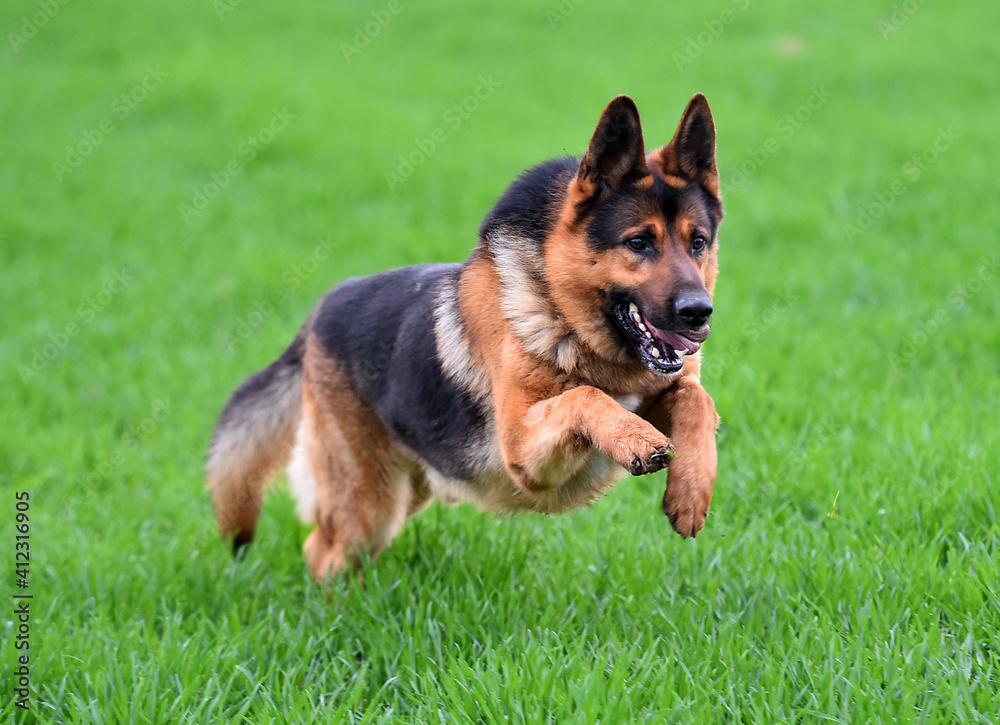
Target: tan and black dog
(564,350)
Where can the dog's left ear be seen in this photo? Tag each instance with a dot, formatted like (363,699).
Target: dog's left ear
(691,153)
(616,154)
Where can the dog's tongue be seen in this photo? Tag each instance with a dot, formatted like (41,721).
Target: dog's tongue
(688,342)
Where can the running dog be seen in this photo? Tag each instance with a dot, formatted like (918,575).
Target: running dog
(564,350)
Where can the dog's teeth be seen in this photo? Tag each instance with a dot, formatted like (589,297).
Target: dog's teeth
(636,319)
(632,308)
(649,334)
(641,326)
(655,353)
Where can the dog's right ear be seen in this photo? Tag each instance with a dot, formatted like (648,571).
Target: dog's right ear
(691,153)
(616,153)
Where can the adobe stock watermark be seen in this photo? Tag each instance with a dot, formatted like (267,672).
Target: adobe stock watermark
(31,24)
(134,438)
(246,152)
(57,341)
(957,298)
(121,108)
(695,45)
(562,12)
(293,278)
(453,119)
(751,332)
(900,16)
(365,35)
(914,168)
(224,7)
(786,127)
(819,436)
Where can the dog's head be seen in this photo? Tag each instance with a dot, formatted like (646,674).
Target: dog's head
(631,258)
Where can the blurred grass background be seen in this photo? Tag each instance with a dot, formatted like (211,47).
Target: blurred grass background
(854,359)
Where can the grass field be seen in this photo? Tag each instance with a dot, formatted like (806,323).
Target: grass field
(179,182)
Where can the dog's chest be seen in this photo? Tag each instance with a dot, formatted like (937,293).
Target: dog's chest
(629,402)
(571,479)
(561,487)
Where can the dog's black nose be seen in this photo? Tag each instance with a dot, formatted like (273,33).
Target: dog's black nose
(693,308)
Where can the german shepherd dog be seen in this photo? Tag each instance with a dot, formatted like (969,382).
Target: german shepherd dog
(565,349)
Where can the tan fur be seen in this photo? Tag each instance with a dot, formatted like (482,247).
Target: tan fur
(687,414)
(364,490)
(238,487)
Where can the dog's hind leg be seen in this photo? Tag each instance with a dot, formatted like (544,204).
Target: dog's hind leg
(363,492)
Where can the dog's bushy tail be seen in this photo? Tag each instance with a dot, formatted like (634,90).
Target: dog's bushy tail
(254,437)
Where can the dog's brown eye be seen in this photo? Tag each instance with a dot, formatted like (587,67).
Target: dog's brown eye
(698,243)
(637,243)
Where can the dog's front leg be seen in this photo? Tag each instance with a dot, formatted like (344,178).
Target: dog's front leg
(538,434)
(687,414)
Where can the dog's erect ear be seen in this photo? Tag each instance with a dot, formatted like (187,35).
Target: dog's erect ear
(616,153)
(691,153)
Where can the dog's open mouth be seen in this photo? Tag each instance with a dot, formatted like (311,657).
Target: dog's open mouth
(661,351)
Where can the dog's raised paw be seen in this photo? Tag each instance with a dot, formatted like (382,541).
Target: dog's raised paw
(650,457)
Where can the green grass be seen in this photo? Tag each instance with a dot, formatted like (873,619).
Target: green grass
(861,369)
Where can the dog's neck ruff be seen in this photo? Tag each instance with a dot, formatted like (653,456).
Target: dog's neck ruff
(453,345)
(531,313)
